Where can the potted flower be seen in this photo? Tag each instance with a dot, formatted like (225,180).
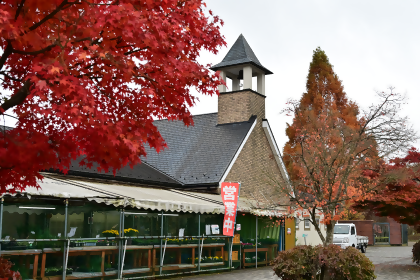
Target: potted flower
(248,245)
(131,232)
(102,243)
(52,271)
(110,233)
(218,259)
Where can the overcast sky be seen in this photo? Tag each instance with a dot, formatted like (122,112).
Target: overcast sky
(371,44)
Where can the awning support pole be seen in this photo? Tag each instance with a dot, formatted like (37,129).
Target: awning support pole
(231,252)
(199,251)
(123,258)
(65,248)
(161,234)
(120,243)
(1,221)
(163,255)
(256,241)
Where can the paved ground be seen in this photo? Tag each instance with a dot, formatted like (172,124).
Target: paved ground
(394,262)
(391,263)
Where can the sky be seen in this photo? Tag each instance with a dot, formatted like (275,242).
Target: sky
(371,44)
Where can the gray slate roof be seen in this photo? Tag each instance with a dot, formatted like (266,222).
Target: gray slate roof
(5,128)
(196,155)
(240,53)
(140,173)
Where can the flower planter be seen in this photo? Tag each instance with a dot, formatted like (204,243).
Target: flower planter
(76,244)
(14,247)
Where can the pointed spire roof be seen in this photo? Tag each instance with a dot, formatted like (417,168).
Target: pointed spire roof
(240,53)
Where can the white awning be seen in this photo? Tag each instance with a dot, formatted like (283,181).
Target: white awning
(117,194)
(120,194)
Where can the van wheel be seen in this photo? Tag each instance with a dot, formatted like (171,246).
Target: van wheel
(363,249)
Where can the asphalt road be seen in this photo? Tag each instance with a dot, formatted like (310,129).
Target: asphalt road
(391,263)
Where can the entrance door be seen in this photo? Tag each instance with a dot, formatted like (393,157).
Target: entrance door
(404,234)
(381,233)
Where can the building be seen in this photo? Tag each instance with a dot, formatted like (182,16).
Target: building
(150,220)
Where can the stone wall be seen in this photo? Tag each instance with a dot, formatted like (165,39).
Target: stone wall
(255,167)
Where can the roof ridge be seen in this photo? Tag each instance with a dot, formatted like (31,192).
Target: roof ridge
(249,52)
(160,171)
(240,53)
(191,116)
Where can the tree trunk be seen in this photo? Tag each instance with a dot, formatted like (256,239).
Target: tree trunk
(330,233)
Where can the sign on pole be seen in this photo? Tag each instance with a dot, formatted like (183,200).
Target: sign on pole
(230,196)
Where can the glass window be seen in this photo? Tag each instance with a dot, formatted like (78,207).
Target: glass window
(297,222)
(177,224)
(207,220)
(142,223)
(33,221)
(353,231)
(341,229)
(317,222)
(307,224)
(104,222)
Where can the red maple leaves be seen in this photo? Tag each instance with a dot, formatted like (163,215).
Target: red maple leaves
(86,77)
(398,195)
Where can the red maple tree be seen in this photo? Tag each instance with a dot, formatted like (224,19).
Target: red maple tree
(88,76)
(398,196)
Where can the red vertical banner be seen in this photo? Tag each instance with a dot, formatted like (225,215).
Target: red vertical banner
(230,196)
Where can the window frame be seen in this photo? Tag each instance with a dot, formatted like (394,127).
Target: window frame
(309,224)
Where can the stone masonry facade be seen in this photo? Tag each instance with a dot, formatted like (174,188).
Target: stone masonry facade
(239,106)
(255,166)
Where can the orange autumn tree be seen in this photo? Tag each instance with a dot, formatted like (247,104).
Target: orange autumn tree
(87,77)
(335,151)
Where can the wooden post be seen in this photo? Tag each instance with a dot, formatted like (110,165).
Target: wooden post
(135,256)
(266,260)
(154,260)
(193,256)
(35,271)
(27,261)
(88,260)
(103,263)
(223,254)
(149,259)
(109,258)
(178,256)
(44,258)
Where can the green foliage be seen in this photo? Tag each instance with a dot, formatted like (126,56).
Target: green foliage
(267,241)
(146,241)
(416,253)
(308,262)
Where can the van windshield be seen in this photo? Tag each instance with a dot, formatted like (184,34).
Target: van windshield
(341,229)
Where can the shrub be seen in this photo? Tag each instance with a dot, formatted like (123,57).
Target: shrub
(416,253)
(308,262)
(6,272)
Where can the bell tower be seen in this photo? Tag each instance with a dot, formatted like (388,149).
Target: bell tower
(240,65)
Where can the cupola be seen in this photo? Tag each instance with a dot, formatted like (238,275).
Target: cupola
(241,63)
